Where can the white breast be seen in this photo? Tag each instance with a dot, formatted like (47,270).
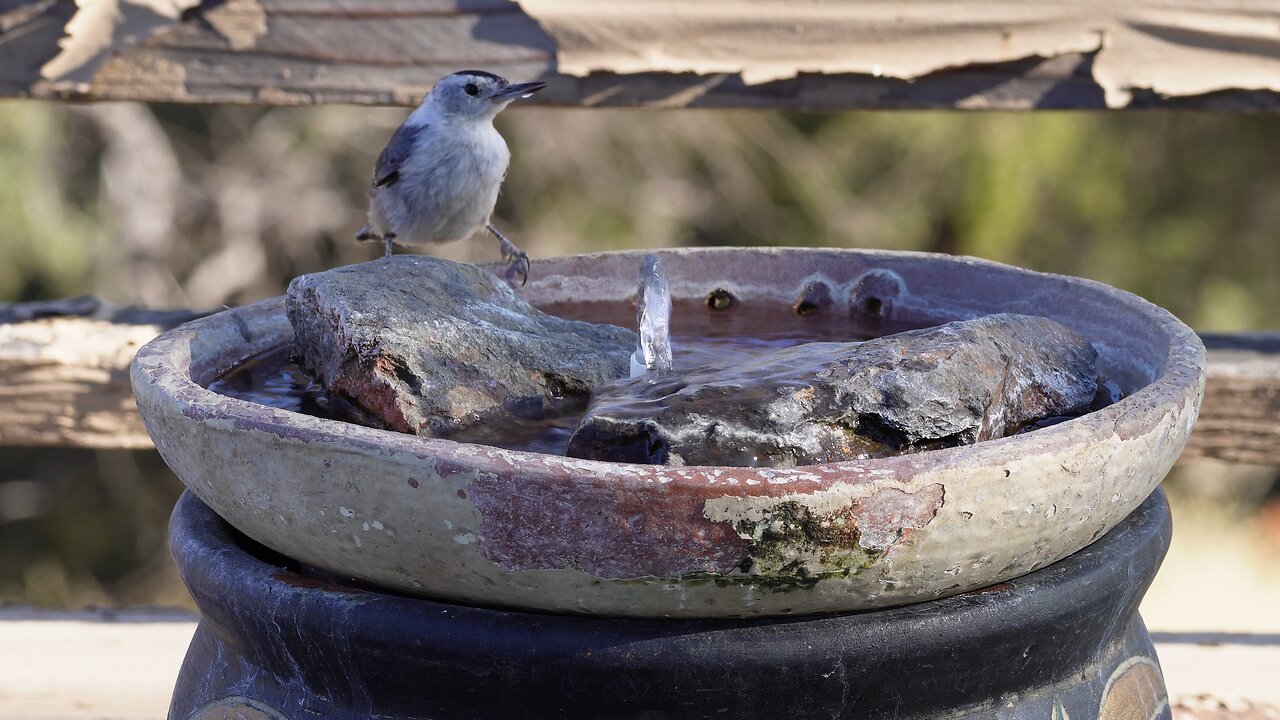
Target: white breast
(448,187)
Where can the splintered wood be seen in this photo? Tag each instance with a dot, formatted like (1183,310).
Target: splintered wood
(717,53)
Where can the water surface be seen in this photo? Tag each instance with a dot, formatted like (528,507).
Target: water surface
(276,379)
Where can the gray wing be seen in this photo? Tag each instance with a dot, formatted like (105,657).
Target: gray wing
(387,170)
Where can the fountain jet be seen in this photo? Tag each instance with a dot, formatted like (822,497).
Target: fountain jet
(653,319)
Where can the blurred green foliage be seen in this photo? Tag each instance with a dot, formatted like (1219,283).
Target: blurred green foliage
(48,212)
(1183,209)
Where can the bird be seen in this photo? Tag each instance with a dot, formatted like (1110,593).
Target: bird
(437,180)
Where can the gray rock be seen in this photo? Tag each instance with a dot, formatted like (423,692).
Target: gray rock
(429,346)
(949,385)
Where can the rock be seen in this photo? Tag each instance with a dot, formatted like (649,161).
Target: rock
(949,385)
(429,346)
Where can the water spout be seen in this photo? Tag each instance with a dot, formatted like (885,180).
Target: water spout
(653,319)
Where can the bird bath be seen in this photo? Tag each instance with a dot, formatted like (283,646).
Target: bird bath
(481,525)
(474,526)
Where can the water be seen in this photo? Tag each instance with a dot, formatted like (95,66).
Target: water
(275,378)
(653,319)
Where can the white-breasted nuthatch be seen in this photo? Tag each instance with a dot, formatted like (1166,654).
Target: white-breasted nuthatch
(437,179)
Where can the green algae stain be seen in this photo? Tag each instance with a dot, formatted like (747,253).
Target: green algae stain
(792,539)
(794,547)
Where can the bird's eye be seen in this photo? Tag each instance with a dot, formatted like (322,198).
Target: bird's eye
(471,89)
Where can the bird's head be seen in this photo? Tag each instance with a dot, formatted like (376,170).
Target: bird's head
(475,95)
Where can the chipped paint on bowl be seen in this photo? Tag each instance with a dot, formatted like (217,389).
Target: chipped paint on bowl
(481,525)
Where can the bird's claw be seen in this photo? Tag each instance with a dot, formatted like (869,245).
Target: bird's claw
(518,265)
(517,259)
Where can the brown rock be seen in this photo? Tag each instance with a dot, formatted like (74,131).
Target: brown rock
(429,346)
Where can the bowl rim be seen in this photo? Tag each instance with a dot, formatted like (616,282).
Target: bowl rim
(164,366)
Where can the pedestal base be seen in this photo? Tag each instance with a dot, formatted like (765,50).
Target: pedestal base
(1062,642)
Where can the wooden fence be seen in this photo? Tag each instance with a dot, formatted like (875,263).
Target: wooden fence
(64,381)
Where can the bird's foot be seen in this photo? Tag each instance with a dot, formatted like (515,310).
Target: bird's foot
(517,265)
(367,234)
(517,259)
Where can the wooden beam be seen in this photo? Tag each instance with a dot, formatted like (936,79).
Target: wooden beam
(122,664)
(64,372)
(1240,418)
(89,665)
(302,52)
(64,381)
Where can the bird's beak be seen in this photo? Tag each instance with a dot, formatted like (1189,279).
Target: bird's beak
(518,90)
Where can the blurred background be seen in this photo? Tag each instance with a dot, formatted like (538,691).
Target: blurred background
(186,206)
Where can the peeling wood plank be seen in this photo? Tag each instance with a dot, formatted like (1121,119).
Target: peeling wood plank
(1173,47)
(388,52)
